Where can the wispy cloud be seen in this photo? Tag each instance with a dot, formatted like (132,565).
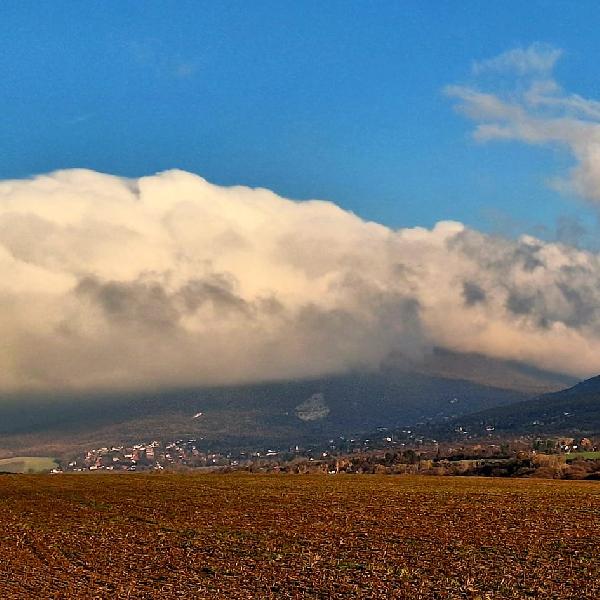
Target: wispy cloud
(536,110)
(77,119)
(537,58)
(183,70)
(150,54)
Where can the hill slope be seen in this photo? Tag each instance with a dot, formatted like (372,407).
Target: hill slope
(446,385)
(575,410)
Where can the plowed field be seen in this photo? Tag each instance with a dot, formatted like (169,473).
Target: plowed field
(250,536)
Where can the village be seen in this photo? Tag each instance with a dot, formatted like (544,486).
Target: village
(185,454)
(149,456)
(382,454)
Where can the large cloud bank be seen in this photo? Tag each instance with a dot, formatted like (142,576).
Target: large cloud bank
(108,282)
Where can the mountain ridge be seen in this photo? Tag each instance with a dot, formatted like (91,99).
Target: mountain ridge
(574,410)
(271,413)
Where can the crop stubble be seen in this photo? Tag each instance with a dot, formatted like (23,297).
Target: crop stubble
(254,536)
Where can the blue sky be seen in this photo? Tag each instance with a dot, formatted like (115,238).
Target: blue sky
(340,100)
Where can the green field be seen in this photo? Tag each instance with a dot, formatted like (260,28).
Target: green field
(585,455)
(27,464)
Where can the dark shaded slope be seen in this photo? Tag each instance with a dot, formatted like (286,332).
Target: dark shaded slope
(575,410)
(244,416)
(493,372)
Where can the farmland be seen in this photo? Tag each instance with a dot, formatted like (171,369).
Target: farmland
(583,455)
(27,464)
(260,536)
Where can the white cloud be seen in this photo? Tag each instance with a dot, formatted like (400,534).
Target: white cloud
(151,54)
(170,280)
(536,58)
(536,110)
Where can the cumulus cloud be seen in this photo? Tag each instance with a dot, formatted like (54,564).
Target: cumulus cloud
(166,280)
(535,109)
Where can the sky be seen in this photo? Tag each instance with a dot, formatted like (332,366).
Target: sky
(342,101)
(214,193)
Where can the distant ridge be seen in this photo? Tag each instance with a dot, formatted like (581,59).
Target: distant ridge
(489,371)
(575,410)
(441,387)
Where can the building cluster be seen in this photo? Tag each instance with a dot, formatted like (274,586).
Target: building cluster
(565,445)
(404,446)
(189,453)
(149,456)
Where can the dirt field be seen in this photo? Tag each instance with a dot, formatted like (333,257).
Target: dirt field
(236,536)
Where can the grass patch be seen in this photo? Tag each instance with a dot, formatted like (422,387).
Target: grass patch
(27,464)
(586,455)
